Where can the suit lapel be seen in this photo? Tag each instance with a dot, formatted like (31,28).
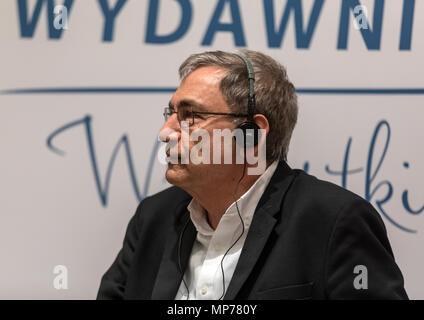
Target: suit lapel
(262,225)
(169,275)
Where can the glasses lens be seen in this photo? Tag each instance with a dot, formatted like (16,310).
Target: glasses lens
(166,113)
(183,114)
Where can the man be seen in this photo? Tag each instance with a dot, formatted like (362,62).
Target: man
(221,233)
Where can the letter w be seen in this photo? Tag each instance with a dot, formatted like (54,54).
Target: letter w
(28,26)
(123,142)
(303,39)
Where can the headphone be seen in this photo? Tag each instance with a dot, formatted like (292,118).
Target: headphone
(249,128)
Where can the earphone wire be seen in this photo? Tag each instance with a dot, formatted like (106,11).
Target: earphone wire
(242,225)
(179,256)
(250,110)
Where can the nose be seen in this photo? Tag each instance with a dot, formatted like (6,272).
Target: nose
(170,129)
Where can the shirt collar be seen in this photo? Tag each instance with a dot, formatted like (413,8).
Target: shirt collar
(246,203)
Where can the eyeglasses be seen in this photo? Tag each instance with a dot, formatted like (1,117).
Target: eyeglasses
(190,115)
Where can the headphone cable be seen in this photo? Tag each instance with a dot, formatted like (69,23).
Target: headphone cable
(242,225)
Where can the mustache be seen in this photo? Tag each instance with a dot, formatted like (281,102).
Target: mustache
(174,147)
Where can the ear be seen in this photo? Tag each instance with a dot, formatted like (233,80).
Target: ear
(262,122)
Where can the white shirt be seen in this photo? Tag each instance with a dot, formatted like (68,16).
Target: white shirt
(203,274)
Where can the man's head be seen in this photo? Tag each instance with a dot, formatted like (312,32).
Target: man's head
(218,82)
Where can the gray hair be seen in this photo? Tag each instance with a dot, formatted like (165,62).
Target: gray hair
(275,95)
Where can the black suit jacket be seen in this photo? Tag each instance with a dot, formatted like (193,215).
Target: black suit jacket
(304,242)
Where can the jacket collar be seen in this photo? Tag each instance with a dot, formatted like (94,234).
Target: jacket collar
(262,225)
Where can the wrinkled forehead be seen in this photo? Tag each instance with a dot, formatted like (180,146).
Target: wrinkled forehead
(208,74)
(201,88)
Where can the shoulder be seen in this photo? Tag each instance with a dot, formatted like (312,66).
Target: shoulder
(323,213)
(316,190)
(323,201)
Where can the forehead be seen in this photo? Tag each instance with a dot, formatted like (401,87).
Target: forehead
(202,87)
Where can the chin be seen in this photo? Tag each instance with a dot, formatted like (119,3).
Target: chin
(176,175)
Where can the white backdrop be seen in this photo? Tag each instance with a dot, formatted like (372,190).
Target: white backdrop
(70,98)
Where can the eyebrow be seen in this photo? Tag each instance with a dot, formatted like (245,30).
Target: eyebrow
(187,103)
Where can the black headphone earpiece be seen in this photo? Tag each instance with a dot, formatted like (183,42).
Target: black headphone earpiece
(250,131)
(249,128)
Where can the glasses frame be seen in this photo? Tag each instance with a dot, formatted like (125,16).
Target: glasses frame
(168,112)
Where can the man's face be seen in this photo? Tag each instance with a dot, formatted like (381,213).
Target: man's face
(199,91)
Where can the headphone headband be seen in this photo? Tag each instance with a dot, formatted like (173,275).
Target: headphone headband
(251,75)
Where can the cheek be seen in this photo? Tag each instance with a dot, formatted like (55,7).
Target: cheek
(226,146)
(221,148)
